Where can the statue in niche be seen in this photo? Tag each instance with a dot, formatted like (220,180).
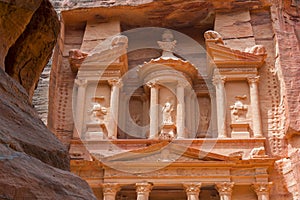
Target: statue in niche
(98,111)
(239,110)
(167,113)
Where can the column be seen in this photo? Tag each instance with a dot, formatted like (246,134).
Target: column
(143,190)
(225,190)
(219,81)
(192,190)
(80,104)
(180,125)
(256,117)
(110,190)
(262,190)
(154,89)
(114,108)
(214,127)
(189,117)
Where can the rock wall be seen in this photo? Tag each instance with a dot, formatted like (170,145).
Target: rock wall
(23,61)
(33,162)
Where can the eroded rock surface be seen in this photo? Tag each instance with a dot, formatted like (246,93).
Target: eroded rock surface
(30,34)
(34,164)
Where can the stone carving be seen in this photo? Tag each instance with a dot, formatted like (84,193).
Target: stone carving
(213,36)
(167,44)
(76,57)
(239,110)
(257,50)
(262,188)
(225,190)
(143,190)
(192,190)
(98,111)
(258,152)
(167,113)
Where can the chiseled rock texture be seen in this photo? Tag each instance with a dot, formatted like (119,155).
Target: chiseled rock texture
(19,22)
(33,162)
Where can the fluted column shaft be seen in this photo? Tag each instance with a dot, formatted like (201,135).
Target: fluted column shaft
(80,104)
(114,107)
(180,116)
(256,117)
(154,90)
(192,190)
(225,190)
(143,190)
(219,81)
(110,190)
(262,190)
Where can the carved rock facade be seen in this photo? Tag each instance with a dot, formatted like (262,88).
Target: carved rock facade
(208,125)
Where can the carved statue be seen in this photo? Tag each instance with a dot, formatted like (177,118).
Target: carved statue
(239,110)
(167,113)
(98,112)
(258,152)
(167,44)
(76,57)
(213,36)
(257,50)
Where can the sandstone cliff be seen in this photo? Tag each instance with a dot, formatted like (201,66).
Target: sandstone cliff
(33,162)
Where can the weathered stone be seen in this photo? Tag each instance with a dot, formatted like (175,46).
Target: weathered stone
(17,44)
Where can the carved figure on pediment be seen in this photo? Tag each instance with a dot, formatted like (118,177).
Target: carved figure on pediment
(239,110)
(98,111)
(167,113)
(76,57)
(213,36)
(258,152)
(257,50)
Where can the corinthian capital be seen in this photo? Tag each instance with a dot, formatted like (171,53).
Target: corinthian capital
(218,79)
(253,79)
(81,82)
(261,187)
(152,84)
(110,188)
(115,82)
(192,188)
(143,187)
(225,187)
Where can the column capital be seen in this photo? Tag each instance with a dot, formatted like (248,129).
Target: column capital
(225,188)
(192,188)
(218,79)
(253,79)
(143,187)
(115,82)
(110,188)
(262,187)
(183,83)
(152,84)
(81,82)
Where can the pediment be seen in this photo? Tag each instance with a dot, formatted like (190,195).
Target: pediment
(165,152)
(220,54)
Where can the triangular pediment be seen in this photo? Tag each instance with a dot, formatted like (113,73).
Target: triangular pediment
(219,54)
(165,152)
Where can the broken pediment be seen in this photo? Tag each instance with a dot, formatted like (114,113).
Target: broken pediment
(164,152)
(222,56)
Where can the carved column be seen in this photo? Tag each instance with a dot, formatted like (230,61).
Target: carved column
(114,107)
(225,190)
(110,190)
(188,117)
(143,190)
(213,128)
(80,104)
(192,190)
(262,190)
(154,89)
(256,117)
(219,81)
(180,116)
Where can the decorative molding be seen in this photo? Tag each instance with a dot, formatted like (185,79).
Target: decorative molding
(115,82)
(262,187)
(110,188)
(143,187)
(192,188)
(81,82)
(225,188)
(253,79)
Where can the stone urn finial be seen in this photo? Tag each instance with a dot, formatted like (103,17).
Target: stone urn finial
(167,44)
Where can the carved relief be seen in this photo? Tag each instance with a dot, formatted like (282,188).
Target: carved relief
(213,36)
(239,110)
(167,111)
(76,57)
(98,112)
(257,50)
(168,43)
